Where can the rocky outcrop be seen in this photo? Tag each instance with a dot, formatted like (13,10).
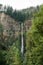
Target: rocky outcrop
(11,26)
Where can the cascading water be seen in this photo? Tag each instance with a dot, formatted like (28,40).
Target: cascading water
(2,15)
(22,44)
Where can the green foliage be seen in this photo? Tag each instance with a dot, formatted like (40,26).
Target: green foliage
(1,28)
(14,56)
(2,57)
(19,16)
(18,43)
(9,11)
(34,42)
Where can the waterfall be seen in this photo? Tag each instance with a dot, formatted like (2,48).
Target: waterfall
(2,15)
(22,44)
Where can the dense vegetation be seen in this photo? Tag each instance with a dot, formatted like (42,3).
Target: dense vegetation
(10,50)
(34,42)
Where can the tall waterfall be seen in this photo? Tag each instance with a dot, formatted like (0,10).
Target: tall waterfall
(22,44)
(2,16)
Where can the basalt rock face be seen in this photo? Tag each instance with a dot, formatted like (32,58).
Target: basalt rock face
(11,26)
(27,25)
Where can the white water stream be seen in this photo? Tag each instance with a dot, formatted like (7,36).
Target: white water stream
(22,44)
(2,15)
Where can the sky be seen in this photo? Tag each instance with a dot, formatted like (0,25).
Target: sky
(21,4)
